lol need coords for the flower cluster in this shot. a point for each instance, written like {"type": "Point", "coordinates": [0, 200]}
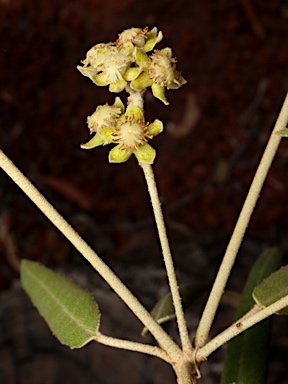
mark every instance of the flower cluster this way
{"type": "Point", "coordinates": [129, 64]}
{"type": "Point", "coordinates": [126, 129]}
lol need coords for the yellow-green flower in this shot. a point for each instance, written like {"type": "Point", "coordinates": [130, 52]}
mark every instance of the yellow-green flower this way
{"type": "Point", "coordinates": [103, 121]}
{"type": "Point", "coordinates": [106, 65]}
{"type": "Point", "coordinates": [140, 38]}
{"type": "Point", "coordinates": [131, 134]}
{"type": "Point", "coordinates": [159, 73]}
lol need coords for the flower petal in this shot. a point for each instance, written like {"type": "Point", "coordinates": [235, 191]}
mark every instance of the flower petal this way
{"type": "Point", "coordinates": [134, 112]}
{"type": "Point", "coordinates": [119, 155]}
{"type": "Point", "coordinates": [155, 128]}
{"type": "Point", "coordinates": [158, 91]}
{"type": "Point", "coordinates": [141, 82]}
{"type": "Point", "coordinates": [118, 86]}
{"type": "Point", "coordinates": [94, 142]}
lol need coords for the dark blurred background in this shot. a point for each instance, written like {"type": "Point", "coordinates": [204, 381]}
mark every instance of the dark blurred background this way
{"type": "Point", "coordinates": [234, 56]}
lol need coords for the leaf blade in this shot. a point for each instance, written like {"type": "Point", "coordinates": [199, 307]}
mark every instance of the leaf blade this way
{"type": "Point", "coordinates": [164, 309]}
{"type": "Point", "coordinates": [246, 355]}
{"type": "Point", "coordinates": [70, 312]}
{"type": "Point", "coordinates": [273, 288]}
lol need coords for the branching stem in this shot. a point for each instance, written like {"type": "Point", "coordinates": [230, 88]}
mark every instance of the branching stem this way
{"type": "Point", "coordinates": [132, 346]}
{"type": "Point", "coordinates": [240, 228]}
{"type": "Point", "coordinates": [240, 326]}
{"type": "Point", "coordinates": [116, 284]}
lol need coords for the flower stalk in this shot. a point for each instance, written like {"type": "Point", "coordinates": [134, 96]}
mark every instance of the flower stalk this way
{"type": "Point", "coordinates": [152, 188]}
{"type": "Point", "coordinates": [240, 229]}
{"type": "Point", "coordinates": [126, 64]}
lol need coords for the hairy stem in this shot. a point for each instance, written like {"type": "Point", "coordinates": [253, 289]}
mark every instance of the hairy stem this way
{"type": "Point", "coordinates": [116, 284]}
{"type": "Point", "coordinates": [240, 326]}
{"type": "Point", "coordinates": [132, 346]}
{"type": "Point", "coordinates": [240, 228]}
{"type": "Point", "coordinates": [152, 188]}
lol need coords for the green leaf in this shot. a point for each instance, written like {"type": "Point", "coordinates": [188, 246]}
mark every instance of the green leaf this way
{"type": "Point", "coordinates": [273, 288]}
{"type": "Point", "coordinates": [192, 295]}
{"type": "Point", "coordinates": [70, 312]}
{"type": "Point", "coordinates": [246, 354]}
{"type": "Point", "coordinates": [164, 310]}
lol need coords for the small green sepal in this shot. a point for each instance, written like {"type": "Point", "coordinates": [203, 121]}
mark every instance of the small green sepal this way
{"type": "Point", "coordinates": [142, 60]}
{"type": "Point", "coordinates": [87, 71]}
{"type": "Point", "coordinates": [118, 86]}
{"type": "Point", "coordinates": [141, 82]}
{"type": "Point", "coordinates": [94, 142]}
{"type": "Point", "coordinates": [119, 104]}
{"type": "Point", "coordinates": [133, 112]}
{"type": "Point", "coordinates": [107, 135]}
{"type": "Point", "coordinates": [101, 80]}
{"type": "Point", "coordinates": [132, 73]}
{"type": "Point", "coordinates": [152, 39]}
{"type": "Point", "coordinates": [155, 128]}
{"type": "Point", "coordinates": [145, 154]}
{"type": "Point", "coordinates": [158, 91]}
{"type": "Point", "coordinates": [119, 155]}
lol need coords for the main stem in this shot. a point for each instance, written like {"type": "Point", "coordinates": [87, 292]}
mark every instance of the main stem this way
{"type": "Point", "coordinates": [240, 228]}
{"type": "Point", "coordinates": [152, 188]}
{"type": "Point", "coordinates": [116, 284]}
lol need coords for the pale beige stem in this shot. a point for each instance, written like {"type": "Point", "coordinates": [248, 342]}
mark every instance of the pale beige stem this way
{"type": "Point", "coordinates": [135, 98]}
{"type": "Point", "coordinates": [152, 188]}
{"type": "Point", "coordinates": [239, 327]}
{"type": "Point", "coordinates": [239, 231]}
{"type": "Point", "coordinates": [116, 284]}
{"type": "Point", "coordinates": [132, 346]}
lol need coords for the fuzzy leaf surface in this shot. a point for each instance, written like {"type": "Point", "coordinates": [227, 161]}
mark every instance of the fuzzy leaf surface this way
{"type": "Point", "coordinates": [70, 312]}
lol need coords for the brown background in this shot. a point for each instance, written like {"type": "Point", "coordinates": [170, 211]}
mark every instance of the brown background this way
{"type": "Point", "coordinates": [234, 56]}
